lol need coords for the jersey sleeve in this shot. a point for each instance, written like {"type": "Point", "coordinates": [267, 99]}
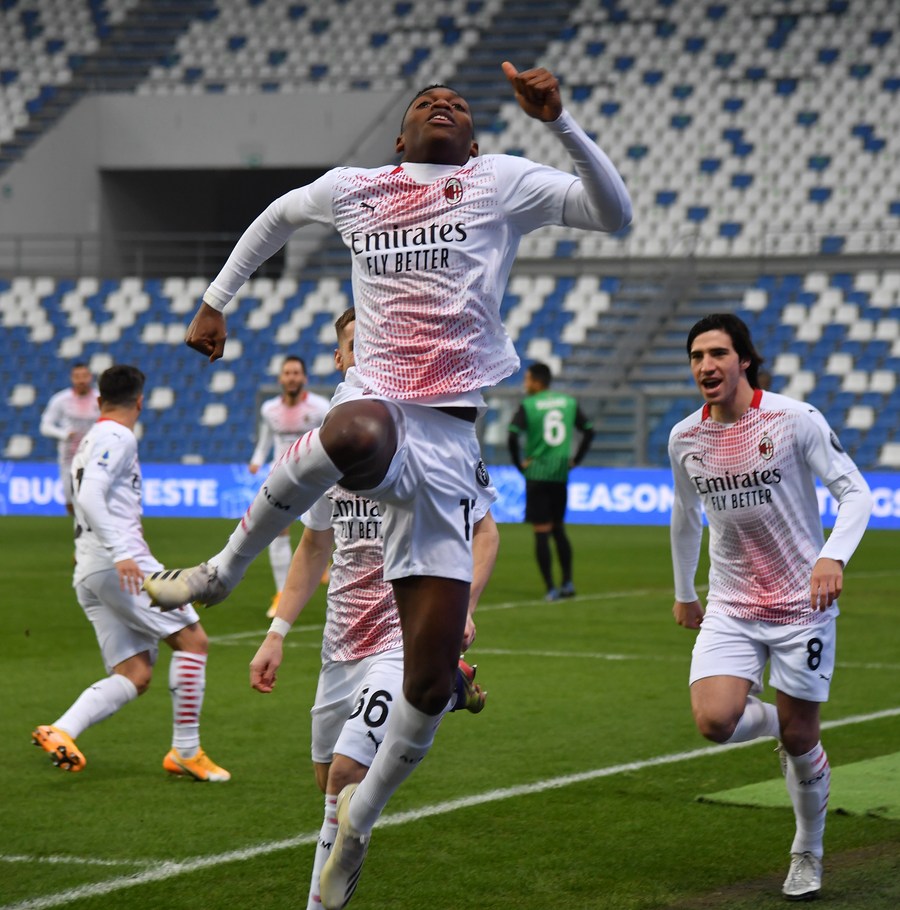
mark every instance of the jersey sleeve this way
{"type": "Point", "coordinates": [53, 419]}
{"type": "Point", "coordinates": [318, 516]}
{"type": "Point", "coordinates": [268, 234]}
{"type": "Point", "coordinates": [264, 441]}
{"type": "Point", "coordinates": [533, 195]}
{"type": "Point", "coordinates": [106, 465]}
{"type": "Point", "coordinates": [822, 449]}
{"type": "Point", "coordinates": [598, 200]}
{"type": "Point", "coordinates": [837, 470]}
{"type": "Point", "coordinates": [322, 406]}
{"type": "Point", "coordinates": [594, 198]}
{"type": "Point", "coordinates": [519, 423]}
{"type": "Point", "coordinates": [685, 531]}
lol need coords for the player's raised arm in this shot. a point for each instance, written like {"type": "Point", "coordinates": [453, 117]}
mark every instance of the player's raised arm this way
{"type": "Point", "coordinates": [599, 201]}
{"type": "Point", "coordinates": [537, 91]}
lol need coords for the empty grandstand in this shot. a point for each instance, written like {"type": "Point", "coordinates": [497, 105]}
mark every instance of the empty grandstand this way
{"type": "Point", "coordinates": [759, 140]}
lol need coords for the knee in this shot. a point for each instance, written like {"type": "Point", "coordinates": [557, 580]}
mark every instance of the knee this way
{"type": "Point", "coordinates": [798, 739]}
{"type": "Point", "coordinates": [428, 694]}
{"type": "Point", "coordinates": [717, 727]}
{"type": "Point", "coordinates": [140, 677]}
{"type": "Point", "coordinates": [192, 639]}
{"type": "Point", "coordinates": [344, 771]}
{"type": "Point", "coordinates": [361, 439]}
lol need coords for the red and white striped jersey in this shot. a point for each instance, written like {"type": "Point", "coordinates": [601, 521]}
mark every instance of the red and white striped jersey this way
{"type": "Point", "coordinates": [281, 424]}
{"type": "Point", "coordinates": [431, 249]}
{"type": "Point", "coordinates": [755, 479]}
{"type": "Point", "coordinates": [362, 615]}
{"type": "Point", "coordinates": [68, 413]}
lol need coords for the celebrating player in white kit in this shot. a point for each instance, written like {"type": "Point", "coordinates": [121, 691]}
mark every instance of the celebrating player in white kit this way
{"type": "Point", "coordinates": [362, 649]}
{"type": "Point", "coordinates": [112, 559]}
{"type": "Point", "coordinates": [283, 420]}
{"type": "Point", "coordinates": [432, 242]}
{"type": "Point", "coordinates": [750, 459]}
{"type": "Point", "coordinates": [69, 414]}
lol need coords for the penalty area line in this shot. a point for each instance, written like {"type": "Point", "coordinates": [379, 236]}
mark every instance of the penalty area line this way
{"type": "Point", "coordinates": [170, 869]}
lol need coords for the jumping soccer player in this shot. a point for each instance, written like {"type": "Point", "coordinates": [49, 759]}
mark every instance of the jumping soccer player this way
{"type": "Point", "coordinates": [432, 241]}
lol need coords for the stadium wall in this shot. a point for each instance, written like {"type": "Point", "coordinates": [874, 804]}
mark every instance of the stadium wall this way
{"type": "Point", "coordinates": [57, 187]}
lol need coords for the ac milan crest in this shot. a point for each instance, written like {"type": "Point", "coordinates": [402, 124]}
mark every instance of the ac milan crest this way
{"type": "Point", "coordinates": [766, 448]}
{"type": "Point", "coordinates": [453, 191]}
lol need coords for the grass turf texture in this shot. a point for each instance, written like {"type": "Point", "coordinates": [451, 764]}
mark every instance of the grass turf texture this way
{"type": "Point", "coordinates": [577, 686]}
{"type": "Point", "coordinates": [870, 787]}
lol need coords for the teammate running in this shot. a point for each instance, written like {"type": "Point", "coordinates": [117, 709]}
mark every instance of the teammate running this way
{"type": "Point", "coordinates": [69, 414]}
{"type": "Point", "coordinates": [750, 458]}
{"type": "Point", "coordinates": [362, 649]}
{"type": "Point", "coordinates": [112, 559]}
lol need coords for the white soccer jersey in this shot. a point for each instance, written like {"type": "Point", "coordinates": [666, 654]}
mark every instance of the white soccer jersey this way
{"type": "Point", "coordinates": [106, 478]}
{"type": "Point", "coordinates": [68, 413]}
{"type": "Point", "coordinates": [362, 617]}
{"type": "Point", "coordinates": [282, 424]}
{"type": "Point", "coordinates": [431, 249]}
{"type": "Point", "coordinates": [756, 480]}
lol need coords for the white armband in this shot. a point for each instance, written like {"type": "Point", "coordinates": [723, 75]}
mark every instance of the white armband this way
{"type": "Point", "coordinates": [280, 626]}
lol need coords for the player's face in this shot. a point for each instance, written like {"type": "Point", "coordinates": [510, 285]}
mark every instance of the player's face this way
{"type": "Point", "coordinates": [719, 372]}
{"type": "Point", "coordinates": [437, 129]}
{"type": "Point", "coordinates": [81, 380]}
{"type": "Point", "coordinates": [292, 378]}
{"type": "Point", "coordinates": [343, 356]}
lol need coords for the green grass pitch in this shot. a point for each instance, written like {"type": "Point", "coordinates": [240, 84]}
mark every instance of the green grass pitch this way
{"type": "Point", "coordinates": [575, 788]}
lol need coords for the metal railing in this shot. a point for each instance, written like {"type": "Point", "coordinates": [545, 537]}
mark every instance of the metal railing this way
{"type": "Point", "coordinates": [187, 254]}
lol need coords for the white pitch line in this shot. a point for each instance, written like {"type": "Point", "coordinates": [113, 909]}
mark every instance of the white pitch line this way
{"type": "Point", "coordinates": [238, 638]}
{"type": "Point", "coordinates": [257, 634]}
{"type": "Point", "coordinates": [587, 655]}
{"type": "Point", "coordinates": [73, 860]}
{"type": "Point", "coordinates": [170, 869]}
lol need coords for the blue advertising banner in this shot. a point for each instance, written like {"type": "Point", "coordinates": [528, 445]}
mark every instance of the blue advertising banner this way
{"type": "Point", "coordinates": [610, 496]}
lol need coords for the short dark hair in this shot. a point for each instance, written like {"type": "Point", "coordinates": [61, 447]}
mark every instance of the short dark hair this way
{"type": "Point", "coordinates": [291, 357]}
{"type": "Point", "coordinates": [341, 323]}
{"type": "Point", "coordinates": [540, 372]}
{"type": "Point", "coordinates": [121, 384]}
{"type": "Point", "coordinates": [737, 330]}
{"type": "Point", "coordinates": [424, 91]}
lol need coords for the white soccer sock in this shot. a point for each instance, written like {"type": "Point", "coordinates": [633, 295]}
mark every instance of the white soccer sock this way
{"type": "Point", "coordinates": [759, 719]}
{"type": "Point", "coordinates": [96, 703]}
{"type": "Point", "coordinates": [297, 480]}
{"type": "Point", "coordinates": [280, 555]}
{"type": "Point", "coordinates": [187, 683]}
{"type": "Point", "coordinates": [323, 850]}
{"type": "Point", "coordinates": [808, 781]}
{"type": "Point", "coordinates": [408, 738]}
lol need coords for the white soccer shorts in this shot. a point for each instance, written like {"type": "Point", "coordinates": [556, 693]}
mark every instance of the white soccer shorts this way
{"type": "Point", "coordinates": [435, 490]}
{"type": "Point", "coordinates": [801, 657]}
{"type": "Point", "coordinates": [125, 624]}
{"type": "Point", "coordinates": [353, 702]}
